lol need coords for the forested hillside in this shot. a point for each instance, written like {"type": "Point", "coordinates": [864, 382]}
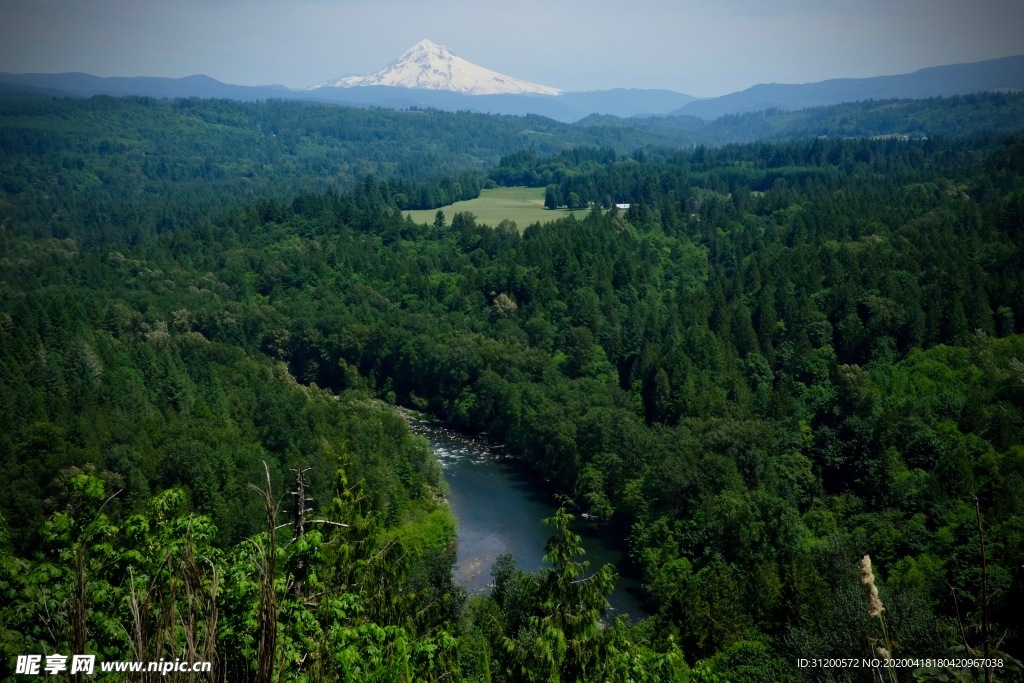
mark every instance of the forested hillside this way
{"type": "Point", "coordinates": [128, 169]}
{"type": "Point", "coordinates": [784, 356]}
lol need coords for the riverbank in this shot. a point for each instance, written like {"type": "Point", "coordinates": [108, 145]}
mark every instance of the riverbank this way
{"type": "Point", "coordinates": [498, 505]}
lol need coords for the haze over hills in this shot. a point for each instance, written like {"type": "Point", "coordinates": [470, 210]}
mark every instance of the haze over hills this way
{"type": "Point", "coordinates": [1005, 74]}
{"type": "Point", "coordinates": [86, 85]}
{"type": "Point", "coordinates": [431, 76]}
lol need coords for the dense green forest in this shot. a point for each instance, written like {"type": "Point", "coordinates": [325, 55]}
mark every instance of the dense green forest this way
{"type": "Point", "coordinates": [130, 168]}
{"type": "Point", "coordinates": [784, 356]}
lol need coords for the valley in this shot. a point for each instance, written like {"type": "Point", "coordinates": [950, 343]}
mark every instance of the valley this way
{"type": "Point", "coordinates": [800, 346]}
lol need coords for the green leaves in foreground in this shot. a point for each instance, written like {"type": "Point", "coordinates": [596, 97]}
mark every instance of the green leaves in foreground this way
{"type": "Point", "coordinates": [154, 587]}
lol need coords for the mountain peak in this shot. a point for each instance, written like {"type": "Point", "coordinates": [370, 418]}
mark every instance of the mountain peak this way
{"type": "Point", "coordinates": [427, 44]}
{"type": "Point", "coordinates": [423, 52]}
{"type": "Point", "coordinates": [429, 66]}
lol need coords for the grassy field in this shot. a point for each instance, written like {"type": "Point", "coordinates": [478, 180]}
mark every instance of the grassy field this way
{"type": "Point", "coordinates": [524, 205]}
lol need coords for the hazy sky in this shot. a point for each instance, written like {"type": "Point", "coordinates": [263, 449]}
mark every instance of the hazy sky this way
{"type": "Point", "coordinates": [700, 48]}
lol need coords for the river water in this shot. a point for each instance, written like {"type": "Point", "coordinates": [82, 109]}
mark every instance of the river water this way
{"type": "Point", "coordinates": [499, 509]}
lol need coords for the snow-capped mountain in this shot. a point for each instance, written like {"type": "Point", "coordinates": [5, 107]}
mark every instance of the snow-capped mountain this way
{"type": "Point", "coordinates": [429, 66]}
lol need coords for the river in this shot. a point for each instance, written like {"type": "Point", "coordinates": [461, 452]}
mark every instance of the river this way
{"type": "Point", "coordinates": [499, 509]}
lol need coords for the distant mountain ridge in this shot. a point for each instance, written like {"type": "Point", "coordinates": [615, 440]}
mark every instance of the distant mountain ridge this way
{"type": "Point", "coordinates": [427, 67]}
{"type": "Point", "coordinates": [86, 85]}
{"type": "Point", "coordinates": [1006, 73]}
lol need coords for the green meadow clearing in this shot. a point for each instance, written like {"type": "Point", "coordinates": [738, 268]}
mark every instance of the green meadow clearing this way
{"type": "Point", "coordinates": [524, 205]}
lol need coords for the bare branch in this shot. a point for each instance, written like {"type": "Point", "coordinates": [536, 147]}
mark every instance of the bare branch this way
{"type": "Point", "coordinates": [327, 521]}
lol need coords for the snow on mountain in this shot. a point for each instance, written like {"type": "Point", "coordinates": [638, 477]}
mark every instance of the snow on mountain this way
{"type": "Point", "coordinates": [429, 66]}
